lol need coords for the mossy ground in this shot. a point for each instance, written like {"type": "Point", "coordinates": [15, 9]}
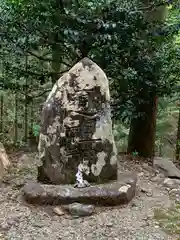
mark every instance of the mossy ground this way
{"type": "Point", "coordinates": [169, 219]}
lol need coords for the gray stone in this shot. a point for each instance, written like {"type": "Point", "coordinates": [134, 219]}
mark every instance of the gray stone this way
{"type": "Point", "coordinates": [109, 194]}
{"type": "Point", "coordinates": [174, 192]}
{"type": "Point", "coordinates": [171, 183]}
{"type": "Point", "coordinates": [158, 178]}
{"type": "Point", "coordinates": [167, 167]}
{"type": "Point", "coordinates": [4, 226]}
{"type": "Point", "coordinates": [76, 130]}
{"type": "Point", "coordinates": [58, 210]}
{"type": "Point", "coordinates": [79, 210]}
{"type": "Point", "coordinates": [148, 192]}
{"type": "Point", "coordinates": [13, 221]}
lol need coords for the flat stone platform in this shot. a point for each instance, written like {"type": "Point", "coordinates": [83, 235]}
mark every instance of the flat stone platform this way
{"type": "Point", "coordinates": [110, 194]}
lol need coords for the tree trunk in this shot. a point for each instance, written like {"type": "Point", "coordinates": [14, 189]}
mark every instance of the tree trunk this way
{"type": "Point", "coordinates": [178, 140]}
{"type": "Point", "coordinates": [2, 103]}
{"type": "Point", "coordinates": [2, 113]}
{"type": "Point", "coordinates": [142, 130]}
{"type": "Point", "coordinates": [57, 53]}
{"type": "Point", "coordinates": [16, 119]}
{"type": "Point", "coordinates": [160, 148]}
{"type": "Point", "coordinates": [32, 115]}
{"type": "Point", "coordinates": [56, 61]}
{"type": "Point", "coordinates": [26, 106]}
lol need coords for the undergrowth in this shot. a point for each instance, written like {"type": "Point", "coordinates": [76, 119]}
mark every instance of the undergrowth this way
{"type": "Point", "coordinates": [169, 219]}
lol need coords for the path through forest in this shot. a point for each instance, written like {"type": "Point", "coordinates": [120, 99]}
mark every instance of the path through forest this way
{"type": "Point", "coordinates": [20, 221]}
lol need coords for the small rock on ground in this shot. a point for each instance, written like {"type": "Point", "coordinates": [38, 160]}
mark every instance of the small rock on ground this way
{"type": "Point", "coordinates": [58, 210]}
{"type": "Point", "coordinates": [79, 210]}
{"type": "Point", "coordinates": [167, 167]}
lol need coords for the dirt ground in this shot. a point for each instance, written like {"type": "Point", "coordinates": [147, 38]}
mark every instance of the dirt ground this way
{"type": "Point", "coordinates": [135, 221]}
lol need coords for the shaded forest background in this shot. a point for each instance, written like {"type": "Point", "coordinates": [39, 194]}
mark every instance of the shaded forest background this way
{"type": "Point", "coordinates": [136, 43]}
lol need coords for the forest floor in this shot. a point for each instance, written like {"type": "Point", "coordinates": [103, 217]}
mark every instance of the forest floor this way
{"type": "Point", "coordinates": [135, 221]}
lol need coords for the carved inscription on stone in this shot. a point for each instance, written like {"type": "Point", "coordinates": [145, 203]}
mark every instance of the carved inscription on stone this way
{"type": "Point", "coordinates": [77, 127]}
{"type": "Point", "coordinates": [79, 140]}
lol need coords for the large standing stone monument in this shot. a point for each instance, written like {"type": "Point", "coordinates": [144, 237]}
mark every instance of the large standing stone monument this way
{"type": "Point", "coordinates": [76, 134]}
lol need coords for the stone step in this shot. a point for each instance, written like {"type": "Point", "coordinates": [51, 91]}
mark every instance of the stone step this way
{"type": "Point", "coordinates": [109, 194]}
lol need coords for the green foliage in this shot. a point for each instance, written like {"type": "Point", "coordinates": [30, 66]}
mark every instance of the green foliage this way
{"type": "Point", "coordinates": [36, 130]}
{"type": "Point", "coordinates": [40, 40]}
{"type": "Point", "coordinates": [135, 154]}
{"type": "Point", "coordinates": [166, 128]}
{"type": "Point", "coordinates": [109, 32]}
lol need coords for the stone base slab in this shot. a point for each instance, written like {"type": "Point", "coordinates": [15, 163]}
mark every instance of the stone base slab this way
{"type": "Point", "coordinates": [111, 194]}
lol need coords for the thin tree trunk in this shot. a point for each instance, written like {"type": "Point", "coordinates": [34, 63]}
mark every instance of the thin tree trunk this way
{"type": "Point", "coordinates": [2, 112]}
{"type": "Point", "coordinates": [161, 148]}
{"type": "Point", "coordinates": [178, 140]}
{"type": "Point", "coordinates": [142, 131]}
{"type": "Point", "coordinates": [32, 114]}
{"type": "Point", "coordinates": [26, 106]}
{"type": "Point", "coordinates": [56, 48]}
{"type": "Point", "coordinates": [16, 119]}
{"type": "Point", "coordinates": [2, 102]}
{"type": "Point", "coordinates": [56, 57]}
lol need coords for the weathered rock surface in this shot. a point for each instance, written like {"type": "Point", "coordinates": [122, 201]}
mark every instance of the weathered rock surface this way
{"type": "Point", "coordinates": [4, 160]}
{"type": "Point", "coordinates": [171, 183]}
{"type": "Point", "coordinates": [167, 167]}
{"type": "Point", "coordinates": [79, 210]}
{"type": "Point", "coordinates": [115, 193]}
{"type": "Point", "coordinates": [77, 128]}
